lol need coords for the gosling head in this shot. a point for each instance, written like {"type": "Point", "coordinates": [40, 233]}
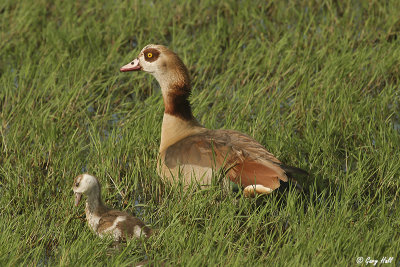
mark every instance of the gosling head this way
{"type": "Point", "coordinates": [85, 184]}
{"type": "Point", "coordinates": [163, 64]}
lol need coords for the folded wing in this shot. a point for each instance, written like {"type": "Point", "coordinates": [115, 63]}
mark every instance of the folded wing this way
{"type": "Point", "coordinates": [245, 161]}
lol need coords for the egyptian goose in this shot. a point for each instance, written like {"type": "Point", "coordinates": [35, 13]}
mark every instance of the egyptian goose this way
{"type": "Point", "coordinates": [103, 220]}
{"type": "Point", "coordinates": [192, 151]}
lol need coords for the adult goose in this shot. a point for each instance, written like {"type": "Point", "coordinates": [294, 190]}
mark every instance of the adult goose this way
{"type": "Point", "coordinates": [191, 151]}
{"type": "Point", "coordinates": [103, 220]}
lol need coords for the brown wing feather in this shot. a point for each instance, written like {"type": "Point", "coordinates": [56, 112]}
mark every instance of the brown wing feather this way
{"type": "Point", "coordinates": [107, 219]}
{"type": "Point", "coordinates": [127, 226]}
{"type": "Point", "coordinates": [250, 172]}
{"type": "Point", "coordinates": [246, 161]}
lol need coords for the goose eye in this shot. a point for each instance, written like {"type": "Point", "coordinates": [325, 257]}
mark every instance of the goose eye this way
{"type": "Point", "coordinates": [149, 55]}
{"type": "Point", "coordinates": [77, 184]}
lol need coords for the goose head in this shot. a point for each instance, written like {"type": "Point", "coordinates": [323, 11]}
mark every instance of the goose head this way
{"type": "Point", "coordinates": [163, 64]}
{"type": "Point", "coordinates": [85, 184]}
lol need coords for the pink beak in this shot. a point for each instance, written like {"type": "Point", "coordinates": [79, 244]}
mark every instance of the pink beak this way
{"type": "Point", "coordinates": [77, 199]}
{"type": "Point", "coordinates": [134, 65]}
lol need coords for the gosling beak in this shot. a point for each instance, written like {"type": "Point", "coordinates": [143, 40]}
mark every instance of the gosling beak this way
{"type": "Point", "coordinates": [134, 65]}
{"type": "Point", "coordinates": [77, 198]}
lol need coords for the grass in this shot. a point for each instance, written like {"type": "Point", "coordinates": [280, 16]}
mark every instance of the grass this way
{"type": "Point", "coordinates": [316, 82]}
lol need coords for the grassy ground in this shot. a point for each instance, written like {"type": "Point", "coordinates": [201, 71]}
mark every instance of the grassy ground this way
{"type": "Point", "coordinates": [316, 83]}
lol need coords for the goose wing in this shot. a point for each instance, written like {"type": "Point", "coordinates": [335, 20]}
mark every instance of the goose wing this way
{"type": "Point", "coordinates": [245, 161]}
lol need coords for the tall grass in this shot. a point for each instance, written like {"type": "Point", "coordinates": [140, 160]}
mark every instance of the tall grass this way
{"type": "Point", "coordinates": [316, 82]}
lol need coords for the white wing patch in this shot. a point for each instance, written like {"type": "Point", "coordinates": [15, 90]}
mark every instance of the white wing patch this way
{"type": "Point", "coordinates": [251, 190]}
{"type": "Point", "coordinates": [113, 230]}
{"type": "Point", "coordinates": [138, 231]}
